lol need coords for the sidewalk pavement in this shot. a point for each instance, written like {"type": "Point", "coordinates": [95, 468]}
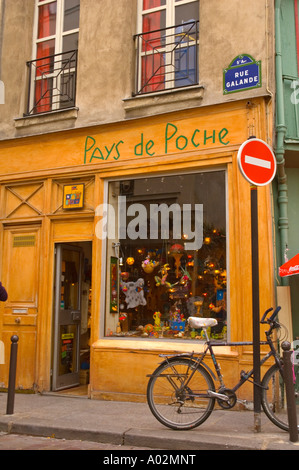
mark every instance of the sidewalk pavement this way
{"type": "Point", "coordinates": [132, 424]}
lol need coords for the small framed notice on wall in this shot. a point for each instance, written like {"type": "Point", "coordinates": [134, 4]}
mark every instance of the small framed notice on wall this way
{"type": "Point", "coordinates": [73, 196]}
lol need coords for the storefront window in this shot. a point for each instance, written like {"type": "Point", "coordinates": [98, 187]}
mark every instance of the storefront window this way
{"type": "Point", "coordinates": [166, 255]}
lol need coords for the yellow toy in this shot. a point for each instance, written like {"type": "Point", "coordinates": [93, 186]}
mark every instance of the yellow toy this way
{"type": "Point", "coordinates": [161, 281]}
{"type": "Point", "coordinates": [157, 324]}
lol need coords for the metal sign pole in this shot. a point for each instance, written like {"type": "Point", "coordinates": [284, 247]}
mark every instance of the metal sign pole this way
{"type": "Point", "coordinates": [255, 309]}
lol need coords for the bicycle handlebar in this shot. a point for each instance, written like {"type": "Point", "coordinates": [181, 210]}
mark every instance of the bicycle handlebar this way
{"type": "Point", "coordinates": [265, 314]}
{"type": "Point", "coordinates": [274, 314]}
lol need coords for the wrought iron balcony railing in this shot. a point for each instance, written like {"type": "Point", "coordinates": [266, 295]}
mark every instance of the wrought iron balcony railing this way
{"type": "Point", "coordinates": [52, 83]}
{"type": "Point", "coordinates": [167, 58]}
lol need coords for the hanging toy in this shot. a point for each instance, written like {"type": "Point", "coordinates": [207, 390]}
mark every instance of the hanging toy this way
{"type": "Point", "coordinates": [148, 265]}
{"type": "Point", "coordinates": [134, 293]}
{"type": "Point", "coordinates": [185, 276]}
{"type": "Point", "coordinates": [161, 281]}
{"type": "Point", "coordinates": [124, 288]}
{"type": "Point", "coordinates": [125, 275]}
{"type": "Point", "coordinates": [177, 251]}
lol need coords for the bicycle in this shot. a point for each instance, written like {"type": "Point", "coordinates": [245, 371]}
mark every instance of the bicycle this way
{"type": "Point", "coordinates": [181, 392]}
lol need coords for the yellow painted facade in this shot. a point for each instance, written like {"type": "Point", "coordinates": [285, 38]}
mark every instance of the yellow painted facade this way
{"type": "Point", "coordinates": [33, 172]}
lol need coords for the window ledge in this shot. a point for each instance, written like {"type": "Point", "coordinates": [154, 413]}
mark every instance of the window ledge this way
{"type": "Point", "coordinates": [46, 118]}
{"type": "Point", "coordinates": [164, 101]}
{"type": "Point", "coordinates": [161, 346]}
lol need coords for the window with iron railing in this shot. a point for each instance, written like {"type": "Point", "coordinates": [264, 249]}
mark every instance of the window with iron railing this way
{"type": "Point", "coordinates": [52, 83]}
{"type": "Point", "coordinates": [52, 73]}
{"type": "Point", "coordinates": [167, 47]}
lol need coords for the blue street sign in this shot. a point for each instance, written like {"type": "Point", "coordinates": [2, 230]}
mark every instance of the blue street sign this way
{"type": "Point", "coordinates": [243, 73]}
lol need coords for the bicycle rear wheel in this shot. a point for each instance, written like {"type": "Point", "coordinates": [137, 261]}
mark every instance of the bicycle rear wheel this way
{"type": "Point", "coordinates": [175, 405]}
{"type": "Point", "coordinates": [274, 398]}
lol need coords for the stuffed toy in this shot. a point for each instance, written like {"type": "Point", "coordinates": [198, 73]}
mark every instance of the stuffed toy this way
{"type": "Point", "coordinates": [134, 293]}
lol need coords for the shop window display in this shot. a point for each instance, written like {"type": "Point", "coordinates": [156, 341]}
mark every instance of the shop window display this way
{"type": "Point", "coordinates": [166, 260]}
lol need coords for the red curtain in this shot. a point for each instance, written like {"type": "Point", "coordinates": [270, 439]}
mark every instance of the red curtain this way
{"type": "Point", "coordinates": [153, 62]}
{"type": "Point", "coordinates": [147, 4]}
{"type": "Point", "coordinates": [46, 28]}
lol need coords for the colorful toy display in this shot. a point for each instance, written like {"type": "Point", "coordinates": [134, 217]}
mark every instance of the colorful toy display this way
{"type": "Point", "coordinates": [159, 288]}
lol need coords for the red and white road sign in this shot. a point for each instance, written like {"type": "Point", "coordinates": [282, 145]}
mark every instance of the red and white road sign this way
{"type": "Point", "coordinates": [257, 162]}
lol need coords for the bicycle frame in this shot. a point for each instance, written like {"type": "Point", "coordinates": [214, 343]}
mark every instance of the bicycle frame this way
{"type": "Point", "coordinates": [244, 377]}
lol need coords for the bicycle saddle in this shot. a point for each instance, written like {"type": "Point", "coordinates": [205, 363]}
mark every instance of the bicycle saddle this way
{"type": "Point", "coordinates": [195, 322]}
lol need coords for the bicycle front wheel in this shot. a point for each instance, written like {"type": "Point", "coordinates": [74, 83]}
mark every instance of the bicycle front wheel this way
{"type": "Point", "coordinates": [274, 401]}
{"type": "Point", "coordinates": [174, 404]}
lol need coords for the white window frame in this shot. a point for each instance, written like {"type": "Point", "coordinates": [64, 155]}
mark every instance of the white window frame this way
{"type": "Point", "coordinates": [59, 34]}
{"type": "Point", "coordinates": [58, 37]}
{"type": "Point", "coordinates": [169, 7]}
{"type": "Point", "coordinates": [170, 11]}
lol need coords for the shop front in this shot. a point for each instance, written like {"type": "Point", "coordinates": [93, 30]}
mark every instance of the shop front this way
{"type": "Point", "coordinates": [137, 226]}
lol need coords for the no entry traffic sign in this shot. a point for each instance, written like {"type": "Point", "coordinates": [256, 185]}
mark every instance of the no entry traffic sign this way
{"type": "Point", "coordinates": [257, 162]}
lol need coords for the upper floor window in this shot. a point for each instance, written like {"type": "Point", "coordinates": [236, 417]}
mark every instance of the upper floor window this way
{"type": "Point", "coordinates": [53, 71]}
{"type": "Point", "coordinates": [167, 44]}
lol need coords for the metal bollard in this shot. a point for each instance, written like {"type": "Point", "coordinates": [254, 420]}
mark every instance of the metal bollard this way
{"type": "Point", "coordinates": [289, 383]}
{"type": "Point", "coordinates": [12, 375]}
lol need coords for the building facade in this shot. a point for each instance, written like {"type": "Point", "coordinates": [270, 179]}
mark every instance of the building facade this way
{"type": "Point", "coordinates": [123, 210]}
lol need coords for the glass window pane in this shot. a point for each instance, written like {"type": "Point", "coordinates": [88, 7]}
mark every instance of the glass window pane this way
{"type": "Point", "coordinates": [45, 63]}
{"type": "Point", "coordinates": [147, 4]}
{"type": "Point", "coordinates": [153, 73]}
{"type": "Point", "coordinates": [71, 14]}
{"type": "Point", "coordinates": [187, 12]}
{"type": "Point", "coordinates": [185, 66]}
{"type": "Point", "coordinates": [45, 48]}
{"type": "Point", "coordinates": [70, 280]}
{"type": "Point", "coordinates": [68, 347]}
{"type": "Point", "coordinates": [43, 95]}
{"type": "Point", "coordinates": [154, 21]}
{"type": "Point", "coordinates": [47, 20]}
{"type": "Point", "coordinates": [67, 88]}
{"type": "Point", "coordinates": [70, 42]}
{"type": "Point", "coordinates": [171, 257]}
